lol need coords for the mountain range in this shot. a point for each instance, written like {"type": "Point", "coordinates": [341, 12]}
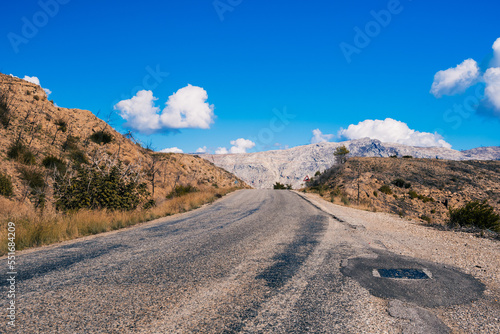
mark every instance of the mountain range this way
{"type": "Point", "coordinates": [292, 166]}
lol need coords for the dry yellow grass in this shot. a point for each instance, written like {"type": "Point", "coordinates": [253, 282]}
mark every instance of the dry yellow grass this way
{"type": "Point", "coordinates": [33, 229]}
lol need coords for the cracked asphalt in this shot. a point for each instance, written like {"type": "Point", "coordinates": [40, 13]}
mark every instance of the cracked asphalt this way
{"type": "Point", "coordinates": [256, 261]}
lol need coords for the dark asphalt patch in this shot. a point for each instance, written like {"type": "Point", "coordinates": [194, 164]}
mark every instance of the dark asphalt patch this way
{"type": "Point", "coordinates": [401, 273]}
{"type": "Point", "coordinates": [293, 257]}
{"type": "Point", "coordinates": [448, 286]}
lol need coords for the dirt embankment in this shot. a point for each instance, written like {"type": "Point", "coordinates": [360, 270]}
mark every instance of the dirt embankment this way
{"type": "Point", "coordinates": [418, 188]}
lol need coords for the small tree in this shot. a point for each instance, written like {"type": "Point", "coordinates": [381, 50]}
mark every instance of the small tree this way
{"type": "Point", "coordinates": [341, 154]}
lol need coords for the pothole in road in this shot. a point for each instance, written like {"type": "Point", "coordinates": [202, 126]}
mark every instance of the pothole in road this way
{"type": "Point", "coordinates": [427, 284]}
{"type": "Point", "coordinates": [402, 273]}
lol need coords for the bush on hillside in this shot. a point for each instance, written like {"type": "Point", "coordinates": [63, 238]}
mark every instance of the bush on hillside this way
{"type": "Point", "coordinates": [281, 186]}
{"type": "Point", "coordinates": [400, 183]}
{"type": "Point", "coordinates": [78, 157]}
{"type": "Point", "coordinates": [101, 137]}
{"type": "Point", "coordinates": [475, 214]}
{"type": "Point", "coordinates": [181, 191]}
{"type": "Point", "coordinates": [6, 188]}
{"type": "Point", "coordinates": [21, 153]}
{"type": "Point", "coordinates": [386, 189]}
{"type": "Point", "coordinates": [98, 188]}
{"type": "Point", "coordinates": [71, 143]}
{"type": "Point", "coordinates": [51, 162]}
{"type": "Point", "coordinates": [34, 178]}
{"type": "Point", "coordinates": [5, 114]}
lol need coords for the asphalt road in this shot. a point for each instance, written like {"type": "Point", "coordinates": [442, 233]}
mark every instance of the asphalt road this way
{"type": "Point", "coordinates": [256, 261]}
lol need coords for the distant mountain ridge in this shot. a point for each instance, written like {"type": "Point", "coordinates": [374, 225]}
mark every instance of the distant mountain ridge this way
{"type": "Point", "coordinates": [263, 169]}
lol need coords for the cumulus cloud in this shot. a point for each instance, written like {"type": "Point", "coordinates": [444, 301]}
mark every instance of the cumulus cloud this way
{"type": "Point", "coordinates": [240, 145]}
{"type": "Point", "coordinates": [492, 90]}
{"type": "Point", "coordinates": [392, 131]}
{"type": "Point", "coordinates": [140, 112]}
{"type": "Point", "coordinates": [319, 137]}
{"type": "Point", "coordinates": [221, 150]}
{"type": "Point", "coordinates": [456, 79]}
{"type": "Point", "coordinates": [496, 52]}
{"type": "Point", "coordinates": [202, 150]}
{"type": "Point", "coordinates": [186, 108]}
{"type": "Point", "coordinates": [172, 150]}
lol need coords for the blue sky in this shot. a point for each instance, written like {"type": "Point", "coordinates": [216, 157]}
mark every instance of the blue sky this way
{"type": "Point", "coordinates": [259, 61]}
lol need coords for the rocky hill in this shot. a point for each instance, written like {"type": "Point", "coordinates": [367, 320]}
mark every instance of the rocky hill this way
{"type": "Point", "coordinates": [35, 134]}
{"type": "Point", "coordinates": [418, 188]}
{"type": "Point", "coordinates": [263, 169]}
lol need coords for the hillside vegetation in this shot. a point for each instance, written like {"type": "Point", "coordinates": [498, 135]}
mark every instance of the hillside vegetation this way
{"type": "Point", "coordinates": [417, 188]}
{"type": "Point", "coordinates": [57, 164]}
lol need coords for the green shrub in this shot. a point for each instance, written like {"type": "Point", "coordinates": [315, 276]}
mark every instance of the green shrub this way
{"type": "Point", "coordinates": [278, 185]}
{"type": "Point", "coordinates": [6, 188]}
{"type": "Point", "coordinates": [71, 143]}
{"type": "Point", "coordinates": [386, 189]}
{"type": "Point", "coordinates": [51, 162]}
{"type": "Point", "coordinates": [433, 211]}
{"type": "Point", "coordinates": [181, 190]}
{"type": "Point", "coordinates": [78, 157]}
{"type": "Point", "coordinates": [475, 214]}
{"type": "Point", "coordinates": [425, 199]}
{"type": "Point", "coordinates": [345, 200]}
{"type": "Point", "coordinates": [101, 137]}
{"type": "Point", "coordinates": [375, 193]}
{"type": "Point", "coordinates": [317, 173]}
{"type": "Point", "coordinates": [407, 157]}
{"type": "Point", "coordinates": [413, 194]}
{"type": "Point", "coordinates": [149, 204]}
{"type": "Point", "coordinates": [35, 180]}
{"type": "Point", "coordinates": [94, 188]}
{"type": "Point", "coordinates": [426, 218]}
{"type": "Point", "coordinates": [5, 113]}
{"type": "Point", "coordinates": [400, 183]}
{"type": "Point", "coordinates": [36, 97]}
{"type": "Point", "coordinates": [20, 152]}
{"type": "Point", "coordinates": [61, 125]}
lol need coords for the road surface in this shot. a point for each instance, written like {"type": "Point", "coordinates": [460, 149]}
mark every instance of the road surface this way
{"type": "Point", "coordinates": [256, 261]}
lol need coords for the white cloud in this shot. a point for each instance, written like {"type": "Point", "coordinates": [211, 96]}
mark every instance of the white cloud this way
{"type": "Point", "coordinates": [140, 112]}
{"type": "Point", "coordinates": [456, 79]}
{"type": "Point", "coordinates": [392, 131]}
{"type": "Point", "coordinates": [172, 150]}
{"type": "Point", "coordinates": [221, 150]}
{"type": "Point", "coordinates": [187, 108]}
{"type": "Point", "coordinates": [33, 80]}
{"type": "Point", "coordinates": [202, 150]}
{"type": "Point", "coordinates": [492, 90]}
{"type": "Point", "coordinates": [319, 137]}
{"type": "Point", "coordinates": [496, 52]}
{"type": "Point", "coordinates": [241, 145]}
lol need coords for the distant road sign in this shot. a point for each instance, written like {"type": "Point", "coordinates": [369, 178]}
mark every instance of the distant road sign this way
{"type": "Point", "coordinates": [306, 178]}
